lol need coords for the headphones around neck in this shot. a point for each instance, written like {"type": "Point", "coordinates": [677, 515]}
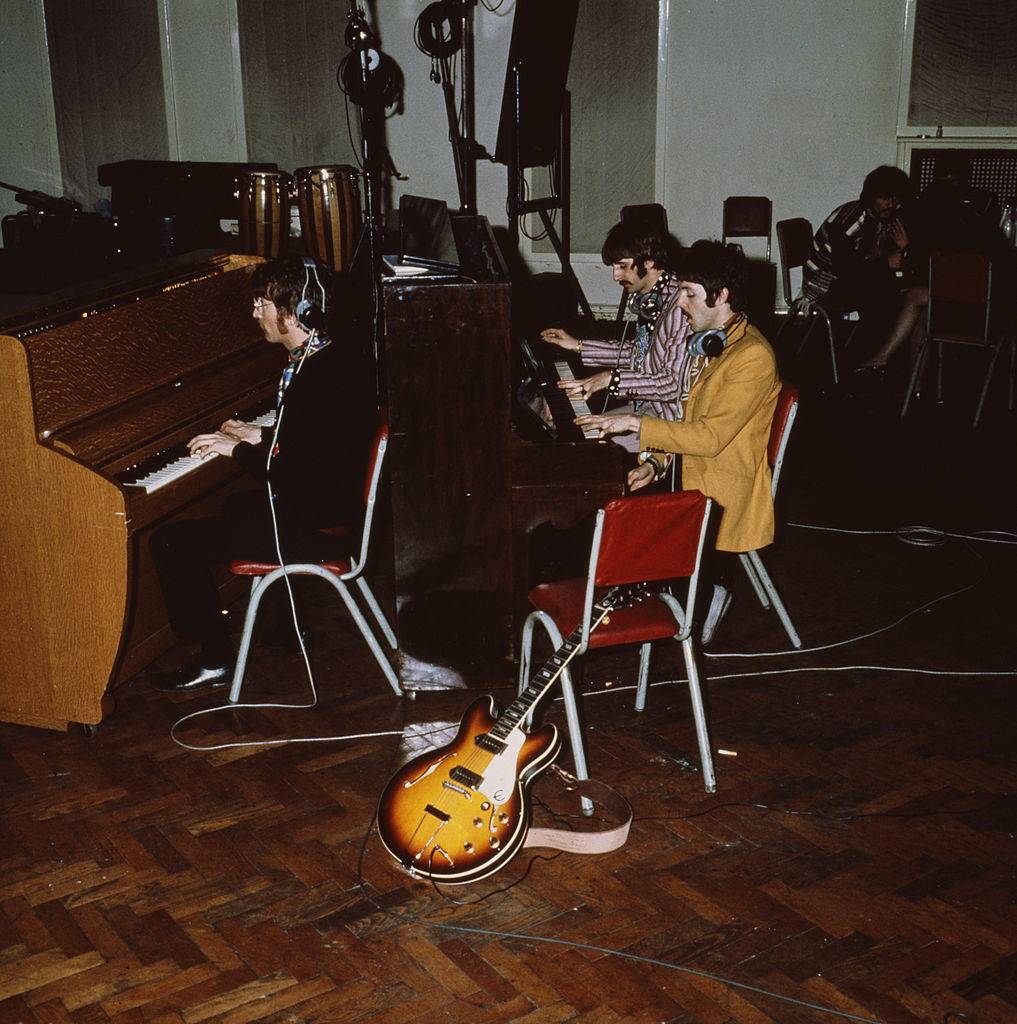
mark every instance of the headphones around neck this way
{"type": "Point", "coordinates": [712, 342]}
{"type": "Point", "coordinates": [310, 313]}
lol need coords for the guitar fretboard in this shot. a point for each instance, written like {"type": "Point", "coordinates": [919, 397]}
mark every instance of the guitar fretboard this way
{"type": "Point", "coordinates": [549, 672]}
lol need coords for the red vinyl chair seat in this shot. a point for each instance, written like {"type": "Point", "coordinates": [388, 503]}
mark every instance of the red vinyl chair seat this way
{"type": "Point", "coordinates": [637, 624]}
{"type": "Point", "coordinates": [241, 568]}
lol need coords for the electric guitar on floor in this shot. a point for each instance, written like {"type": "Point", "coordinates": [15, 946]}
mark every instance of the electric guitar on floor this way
{"type": "Point", "coordinates": [459, 812]}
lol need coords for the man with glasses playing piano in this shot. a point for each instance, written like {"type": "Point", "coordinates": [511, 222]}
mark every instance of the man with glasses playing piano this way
{"type": "Point", "coordinates": [650, 366]}
{"type": "Point", "coordinates": [312, 464]}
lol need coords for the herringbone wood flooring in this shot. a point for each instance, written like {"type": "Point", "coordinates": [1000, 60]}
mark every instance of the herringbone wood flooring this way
{"type": "Point", "coordinates": [145, 882]}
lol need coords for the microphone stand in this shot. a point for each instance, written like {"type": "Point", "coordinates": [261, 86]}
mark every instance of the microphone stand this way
{"type": "Point", "coordinates": [362, 41]}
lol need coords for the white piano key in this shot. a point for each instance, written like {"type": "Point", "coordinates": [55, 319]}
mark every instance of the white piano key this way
{"type": "Point", "coordinates": [180, 467]}
{"type": "Point", "coordinates": [579, 406]}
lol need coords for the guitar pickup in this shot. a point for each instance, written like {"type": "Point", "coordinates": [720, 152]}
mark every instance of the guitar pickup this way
{"type": "Point", "coordinates": [487, 742]}
{"type": "Point", "coordinates": [466, 777]}
{"type": "Point", "coordinates": [440, 815]}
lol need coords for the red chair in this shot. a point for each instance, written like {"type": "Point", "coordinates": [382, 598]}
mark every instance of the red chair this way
{"type": "Point", "coordinates": [960, 313]}
{"type": "Point", "coordinates": [783, 420]}
{"type": "Point", "coordinates": [338, 573]}
{"type": "Point", "coordinates": [649, 539]}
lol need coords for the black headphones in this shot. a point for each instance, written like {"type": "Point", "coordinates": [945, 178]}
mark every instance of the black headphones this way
{"type": "Point", "coordinates": [310, 314]}
{"type": "Point", "coordinates": [712, 342]}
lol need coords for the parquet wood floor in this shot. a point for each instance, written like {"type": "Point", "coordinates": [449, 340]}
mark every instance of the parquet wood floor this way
{"type": "Point", "coordinates": [859, 854]}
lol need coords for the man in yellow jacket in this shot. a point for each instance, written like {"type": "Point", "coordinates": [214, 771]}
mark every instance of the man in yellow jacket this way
{"type": "Point", "coordinates": [723, 435]}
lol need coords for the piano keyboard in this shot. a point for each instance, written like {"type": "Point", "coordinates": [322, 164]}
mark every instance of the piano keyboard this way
{"type": "Point", "coordinates": [579, 406]}
{"type": "Point", "coordinates": [172, 463]}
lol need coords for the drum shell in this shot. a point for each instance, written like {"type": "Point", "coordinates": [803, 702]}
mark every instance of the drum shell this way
{"type": "Point", "coordinates": [330, 216]}
{"type": "Point", "coordinates": [264, 219]}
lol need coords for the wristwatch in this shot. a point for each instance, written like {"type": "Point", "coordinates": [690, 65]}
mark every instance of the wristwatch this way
{"type": "Point", "coordinates": [654, 459]}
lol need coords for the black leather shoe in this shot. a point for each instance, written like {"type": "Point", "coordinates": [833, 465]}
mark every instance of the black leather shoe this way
{"type": "Point", "coordinates": [194, 677]}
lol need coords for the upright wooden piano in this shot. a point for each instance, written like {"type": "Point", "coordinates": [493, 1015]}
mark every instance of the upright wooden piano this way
{"type": "Point", "coordinates": [100, 391]}
{"type": "Point", "coordinates": [467, 490]}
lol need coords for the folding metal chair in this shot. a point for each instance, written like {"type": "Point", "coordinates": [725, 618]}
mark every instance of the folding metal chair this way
{"type": "Point", "coordinates": [783, 420]}
{"type": "Point", "coordinates": [794, 239]}
{"type": "Point", "coordinates": [958, 313]}
{"type": "Point", "coordinates": [339, 573]}
{"type": "Point", "coordinates": [649, 539]}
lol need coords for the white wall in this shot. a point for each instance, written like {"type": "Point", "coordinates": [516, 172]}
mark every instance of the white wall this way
{"type": "Point", "coordinates": [791, 99]}
{"type": "Point", "coordinates": [794, 99]}
{"type": "Point", "coordinates": [201, 76]}
{"type": "Point", "coordinates": [29, 156]}
{"type": "Point", "coordinates": [418, 138]}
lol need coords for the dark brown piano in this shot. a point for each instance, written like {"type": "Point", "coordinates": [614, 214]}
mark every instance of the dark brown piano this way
{"type": "Point", "coordinates": [101, 388]}
{"type": "Point", "coordinates": [467, 492]}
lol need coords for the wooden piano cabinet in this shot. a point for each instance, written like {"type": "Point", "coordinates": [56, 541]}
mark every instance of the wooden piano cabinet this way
{"type": "Point", "coordinates": [64, 590]}
{"type": "Point", "coordinates": [446, 367]}
{"type": "Point", "coordinates": [93, 385]}
{"type": "Point", "coordinates": [466, 492]}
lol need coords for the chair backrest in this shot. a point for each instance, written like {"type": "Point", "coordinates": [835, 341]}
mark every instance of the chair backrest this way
{"type": "Point", "coordinates": [375, 464]}
{"type": "Point", "coordinates": [651, 215]}
{"type": "Point", "coordinates": [647, 539]}
{"type": "Point", "coordinates": [783, 420]}
{"type": "Point", "coordinates": [748, 217]}
{"type": "Point", "coordinates": [794, 240]}
{"type": "Point", "coordinates": [960, 284]}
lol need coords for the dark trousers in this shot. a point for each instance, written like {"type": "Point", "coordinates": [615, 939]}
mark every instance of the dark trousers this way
{"type": "Point", "coordinates": [185, 550]}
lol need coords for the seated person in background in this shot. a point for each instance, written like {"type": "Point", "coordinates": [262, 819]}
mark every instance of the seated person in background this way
{"type": "Point", "coordinates": [952, 217]}
{"type": "Point", "coordinates": [724, 433]}
{"type": "Point", "coordinates": [859, 250]}
{"type": "Point", "coordinates": [314, 468]}
{"type": "Point", "coordinates": [653, 368]}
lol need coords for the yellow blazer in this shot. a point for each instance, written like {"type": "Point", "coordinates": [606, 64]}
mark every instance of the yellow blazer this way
{"type": "Point", "coordinates": [723, 438]}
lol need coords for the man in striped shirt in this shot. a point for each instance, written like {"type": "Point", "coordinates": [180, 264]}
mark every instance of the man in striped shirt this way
{"type": "Point", "coordinates": [651, 366]}
{"type": "Point", "coordinates": [860, 249]}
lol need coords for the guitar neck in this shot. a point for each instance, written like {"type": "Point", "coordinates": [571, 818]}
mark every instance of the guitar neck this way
{"type": "Point", "coordinates": [510, 718]}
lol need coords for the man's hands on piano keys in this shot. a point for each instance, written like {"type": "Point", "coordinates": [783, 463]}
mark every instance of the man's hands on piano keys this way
{"type": "Point", "coordinates": [224, 440]}
{"type": "Point", "coordinates": [610, 423]}
{"type": "Point", "coordinates": [204, 446]}
{"type": "Point", "coordinates": [241, 431]}
{"type": "Point", "coordinates": [556, 336]}
{"type": "Point", "coordinates": [586, 386]}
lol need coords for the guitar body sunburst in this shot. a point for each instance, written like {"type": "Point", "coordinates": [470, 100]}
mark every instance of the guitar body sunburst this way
{"type": "Point", "coordinates": [459, 812]}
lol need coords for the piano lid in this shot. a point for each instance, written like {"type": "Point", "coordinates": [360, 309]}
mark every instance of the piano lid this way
{"type": "Point", "coordinates": [96, 350]}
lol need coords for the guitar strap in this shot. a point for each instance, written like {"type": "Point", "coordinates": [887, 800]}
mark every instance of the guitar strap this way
{"type": "Point", "coordinates": [607, 800]}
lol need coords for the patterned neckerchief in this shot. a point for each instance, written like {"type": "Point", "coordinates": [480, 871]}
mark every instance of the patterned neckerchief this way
{"type": "Point", "coordinates": [315, 343]}
{"type": "Point", "coordinates": [647, 308]}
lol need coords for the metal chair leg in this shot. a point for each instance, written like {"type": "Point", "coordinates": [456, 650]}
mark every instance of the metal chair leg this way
{"type": "Point", "coordinates": [699, 714]}
{"type": "Point", "coordinates": [754, 579]}
{"type": "Point", "coordinates": [568, 696]}
{"type": "Point", "coordinates": [778, 605]}
{"type": "Point", "coordinates": [644, 676]}
{"type": "Point", "coordinates": [985, 386]}
{"type": "Point", "coordinates": [916, 374]}
{"type": "Point", "coordinates": [257, 592]}
{"type": "Point", "coordinates": [366, 632]}
{"type": "Point", "coordinates": [379, 616]}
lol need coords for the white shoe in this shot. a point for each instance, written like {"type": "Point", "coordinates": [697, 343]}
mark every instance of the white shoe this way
{"type": "Point", "coordinates": [719, 604]}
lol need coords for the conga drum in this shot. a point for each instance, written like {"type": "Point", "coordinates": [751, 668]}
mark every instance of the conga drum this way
{"type": "Point", "coordinates": [264, 212]}
{"type": "Point", "coordinates": [329, 202]}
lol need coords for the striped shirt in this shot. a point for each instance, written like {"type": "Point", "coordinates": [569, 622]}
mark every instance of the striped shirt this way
{"type": "Point", "coordinates": [852, 234]}
{"type": "Point", "coordinates": [662, 383]}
